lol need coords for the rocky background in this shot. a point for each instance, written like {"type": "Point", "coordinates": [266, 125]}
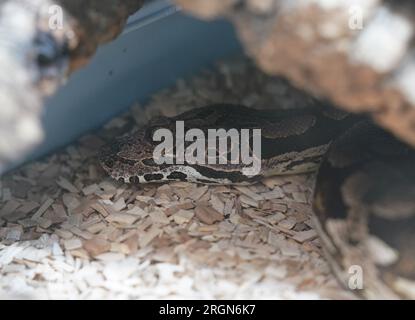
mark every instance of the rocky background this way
{"type": "Point", "coordinates": [41, 43]}
{"type": "Point", "coordinates": [359, 54]}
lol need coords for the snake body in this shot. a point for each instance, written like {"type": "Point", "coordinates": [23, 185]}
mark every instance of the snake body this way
{"type": "Point", "coordinates": [364, 200]}
{"type": "Point", "coordinates": [293, 141]}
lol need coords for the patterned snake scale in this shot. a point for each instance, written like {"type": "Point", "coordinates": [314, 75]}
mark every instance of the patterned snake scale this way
{"type": "Point", "coordinates": [364, 198]}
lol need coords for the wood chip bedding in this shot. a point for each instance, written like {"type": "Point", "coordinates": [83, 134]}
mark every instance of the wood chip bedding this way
{"type": "Point", "coordinates": [69, 231]}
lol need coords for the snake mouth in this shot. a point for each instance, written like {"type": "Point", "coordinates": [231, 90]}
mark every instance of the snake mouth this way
{"type": "Point", "coordinates": [115, 164]}
{"type": "Point", "coordinates": [107, 157]}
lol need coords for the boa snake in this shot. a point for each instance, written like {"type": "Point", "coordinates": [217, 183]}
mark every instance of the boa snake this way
{"type": "Point", "coordinates": [364, 200]}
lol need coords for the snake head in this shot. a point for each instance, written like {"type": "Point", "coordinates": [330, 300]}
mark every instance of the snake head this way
{"type": "Point", "coordinates": [123, 157]}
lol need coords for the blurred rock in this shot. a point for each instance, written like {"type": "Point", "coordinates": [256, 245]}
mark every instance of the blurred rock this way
{"type": "Point", "coordinates": [359, 54]}
{"type": "Point", "coordinates": [41, 42]}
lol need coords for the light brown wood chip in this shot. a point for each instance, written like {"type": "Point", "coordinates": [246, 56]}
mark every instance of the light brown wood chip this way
{"type": "Point", "coordinates": [122, 218]}
{"type": "Point", "coordinates": [96, 246]}
{"type": "Point", "coordinates": [72, 244]}
{"type": "Point", "coordinates": [183, 216]}
{"type": "Point", "coordinates": [45, 206]}
{"type": "Point", "coordinates": [208, 215]}
{"type": "Point", "coordinates": [304, 236]}
{"type": "Point", "coordinates": [9, 208]}
{"type": "Point", "coordinates": [66, 185]}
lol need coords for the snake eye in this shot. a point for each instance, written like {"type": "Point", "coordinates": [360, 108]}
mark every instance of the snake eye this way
{"type": "Point", "coordinates": [109, 163]}
{"type": "Point", "coordinates": [149, 162]}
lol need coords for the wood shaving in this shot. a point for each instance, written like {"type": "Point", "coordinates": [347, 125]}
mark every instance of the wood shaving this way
{"type": "Point", "coordinates": [183, 216]}
{"type": "Point", "coordinates": [89, 237]}
{"type": "Point", "coordinates": [97, 246]}
{"type": "Point", "coordinates": [72, 244]}
{"type": "Point", "coordinates": [208, 215]}
{"type": "Point", "coordinates": [65, 184]}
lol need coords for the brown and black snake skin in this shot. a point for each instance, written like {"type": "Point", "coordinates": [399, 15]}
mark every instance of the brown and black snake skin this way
{"type": "Point", "coordinates": [364, 200]}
